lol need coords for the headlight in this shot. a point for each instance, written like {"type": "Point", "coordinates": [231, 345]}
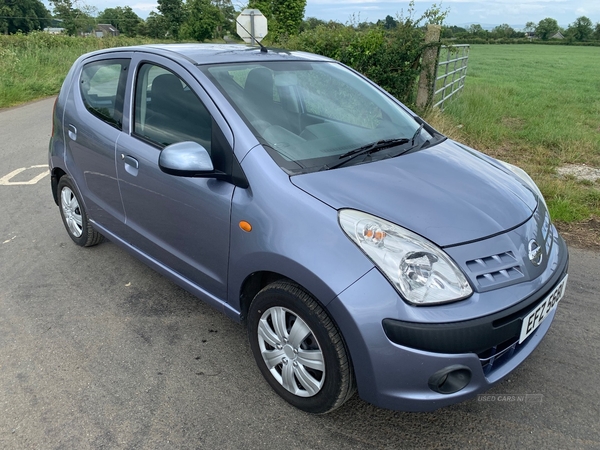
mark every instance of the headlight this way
{"type": "Point", "coordinates": [419, 270]}
{"type": "Point", "coordinates": [526, 179]}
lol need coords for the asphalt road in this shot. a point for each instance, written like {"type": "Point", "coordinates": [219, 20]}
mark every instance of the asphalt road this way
{"type": "Point", "coordinates": [98, 351]}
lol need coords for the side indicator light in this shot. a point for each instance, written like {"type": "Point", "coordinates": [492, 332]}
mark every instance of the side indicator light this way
{"type": "Point", "coordinates": [245, 226]}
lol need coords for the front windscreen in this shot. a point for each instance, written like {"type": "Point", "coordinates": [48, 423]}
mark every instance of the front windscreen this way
{"type": "Point", "coordinates": [309, 114]}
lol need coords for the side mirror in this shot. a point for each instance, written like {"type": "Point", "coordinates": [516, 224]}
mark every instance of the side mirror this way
{"type": "Point", "coordinates": [186, 159]}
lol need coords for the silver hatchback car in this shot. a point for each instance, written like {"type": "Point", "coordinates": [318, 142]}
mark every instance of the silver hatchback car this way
{"type": "Point", "coordinates": [362, 248]}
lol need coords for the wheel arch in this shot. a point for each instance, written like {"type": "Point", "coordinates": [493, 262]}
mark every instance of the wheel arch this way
{"type": "Point", "coordinates": [55, 176]}
{"type": "Point", "coordinates": [250, 271]}
{"type": "Point", "coordinates": [258, 280]}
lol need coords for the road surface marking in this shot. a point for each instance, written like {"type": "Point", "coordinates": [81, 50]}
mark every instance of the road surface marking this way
{"type": "Point", "coordinates": [5, 180]}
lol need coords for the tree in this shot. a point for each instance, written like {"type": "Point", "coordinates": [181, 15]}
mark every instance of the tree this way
{"type": "Point", "coordinates": [24, 16]}
{"type": "Point", "coordinates": [173, 12]}
{"type": "Point", "coordinates": [530, 27]}
{"type": "Point", "coordinates": [477, 30]}
{"type": "Point", "coordinates": [390, 23]}
{"type": "Point", "coordinates": [364, 25]}
{"type": "Point", "coordinates": [504, 31]}
{"type": "Point", "coordinates": [76, 17]}
{"type": "Point", "coordinates": [453, 31]}
{"type": "Point", "coordinates": [126, 21]}
{"type": "Point", "coordinates": [546, 28]}
{"type": "Point", "coordinates": [581, 29]}
{"type": "Point", "coordinates": [156, 26]}
{"type": "Point", "coordinates": [285, 16]}
{"type": "Point", "coordinates": [202, 20]}
{"type": "Point", "coordinates": [597, 32]}
{"type": "Point", "coordinates": [311, 23]}
{"type": "Point", "coordinates": [228, 16]}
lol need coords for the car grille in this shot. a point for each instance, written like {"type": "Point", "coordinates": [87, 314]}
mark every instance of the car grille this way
{"type": "Point", "coordinates": [495, 271]}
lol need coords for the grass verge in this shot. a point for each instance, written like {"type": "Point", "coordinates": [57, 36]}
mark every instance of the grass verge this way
{"type": "Point", "coordinates": [35, 65]}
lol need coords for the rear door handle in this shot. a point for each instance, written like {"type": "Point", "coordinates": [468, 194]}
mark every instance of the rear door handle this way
{"type": "Point", "coordinates": [72, 132]}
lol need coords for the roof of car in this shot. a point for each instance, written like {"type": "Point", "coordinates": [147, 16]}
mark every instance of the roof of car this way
{"type": "Point", "coordinates": [224, 53]}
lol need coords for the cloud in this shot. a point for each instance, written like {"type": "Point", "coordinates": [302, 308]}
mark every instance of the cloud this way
{"type": "Point", "coordinates": [463, 11]}
{"type": "Point", "coordinates": [145, 6]}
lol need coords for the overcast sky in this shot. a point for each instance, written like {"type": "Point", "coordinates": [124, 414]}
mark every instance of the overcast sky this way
{"type": "Point", "coordinates": [462, 11]}
{"type": "Point", "coordinates": [494, 12]}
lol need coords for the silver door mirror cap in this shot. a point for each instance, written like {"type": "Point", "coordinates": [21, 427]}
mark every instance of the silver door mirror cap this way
{"type": "Point", "coordinates": [185, 159]}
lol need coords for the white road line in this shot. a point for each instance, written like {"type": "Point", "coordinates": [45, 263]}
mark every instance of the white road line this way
{"type": "Point", "coordinates": [5, 180]}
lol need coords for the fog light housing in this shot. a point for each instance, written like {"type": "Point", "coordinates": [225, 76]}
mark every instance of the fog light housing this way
{"type": "Point", "coordinates": [450, 379]}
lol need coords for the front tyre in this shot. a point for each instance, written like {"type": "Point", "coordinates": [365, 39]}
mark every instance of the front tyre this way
{"type": "Point", "coordinates": [74, 216]}
{"type": "Point", "coordinates": [298, 349]}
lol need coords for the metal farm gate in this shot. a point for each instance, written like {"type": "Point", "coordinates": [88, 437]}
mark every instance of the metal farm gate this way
{"type": "Point", "coordinates": [451, 73]}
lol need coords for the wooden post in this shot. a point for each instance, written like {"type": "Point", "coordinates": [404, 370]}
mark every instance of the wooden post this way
{"type": "Point", "coordinates": [428, 68]}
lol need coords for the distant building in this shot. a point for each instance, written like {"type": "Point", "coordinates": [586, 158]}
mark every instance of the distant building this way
{"type": "Point", "coordinates": [105, 30]}
{"type": "Point", "coordinates": [531, 35]}
{"type": "Point", "coordinates": [54, 30]}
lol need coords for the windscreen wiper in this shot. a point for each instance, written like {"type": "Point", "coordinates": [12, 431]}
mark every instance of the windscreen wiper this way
{"type": "Point", "coordinates": [416, 135]}
{"type": "Point", "coordinates": [367, 150]}
{"type": "Point", "coordinates": [413, 146]}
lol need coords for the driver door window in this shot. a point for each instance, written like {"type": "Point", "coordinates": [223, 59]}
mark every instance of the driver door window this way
{"type": "Point", "coordinates": [167, 110]}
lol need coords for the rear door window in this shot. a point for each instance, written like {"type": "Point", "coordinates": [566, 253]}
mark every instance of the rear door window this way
{"type": "Point", "coordinates": [102, 87]}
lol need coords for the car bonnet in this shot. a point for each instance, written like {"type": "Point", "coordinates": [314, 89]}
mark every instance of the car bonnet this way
{"type": "Point", "coordinates": [445, 193]}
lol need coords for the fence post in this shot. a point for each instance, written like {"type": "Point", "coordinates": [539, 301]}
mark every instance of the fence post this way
{"type": "Point", "coordinates": [428, 66]}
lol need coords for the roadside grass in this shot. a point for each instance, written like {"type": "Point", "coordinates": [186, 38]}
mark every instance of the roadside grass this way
{"type": "Point", "coordinates": [537, 107]}
{"type": "Point", "coordinates": [35, 65]}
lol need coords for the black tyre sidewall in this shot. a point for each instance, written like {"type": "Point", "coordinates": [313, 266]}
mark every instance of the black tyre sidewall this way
{"type": "Point", "coordinates": [82, 240]}
{"type": "Point", "coordinates": [327, 397]}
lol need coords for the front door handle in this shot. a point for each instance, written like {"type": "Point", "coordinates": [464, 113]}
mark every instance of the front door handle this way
{"type": "Point", "coordinates": [130, 160]}
{"type": "Point", "coordinates": [72, 132]}
{"type": "Point", "coordinates": [131, 164]}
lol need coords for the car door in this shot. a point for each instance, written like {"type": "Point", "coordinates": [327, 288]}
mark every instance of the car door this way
{"type": "Point", "coordinates": [181, 222]}
{"type": "Point", "coordinates": [93, 122]}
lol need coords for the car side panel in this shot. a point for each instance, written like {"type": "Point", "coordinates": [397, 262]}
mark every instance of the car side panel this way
{"type": "Point", "coordinates": [181, 222]}
{"type": "Point", "coordinates": [293, 234]}
{"type": "Point", "coordinates": [90, 157]}
{"type": "Point", "coordinates": [56, 151]}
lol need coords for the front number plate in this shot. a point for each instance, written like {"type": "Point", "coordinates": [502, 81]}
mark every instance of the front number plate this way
{"type": "Point", "coordinates": [535, 318]}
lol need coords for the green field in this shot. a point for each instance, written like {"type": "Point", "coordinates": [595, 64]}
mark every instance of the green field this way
{"type": "Point", "coordinates": [538, 107]}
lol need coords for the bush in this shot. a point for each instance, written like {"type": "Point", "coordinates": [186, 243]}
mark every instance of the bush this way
{"type": "Point", "coordinates": [391, 58]}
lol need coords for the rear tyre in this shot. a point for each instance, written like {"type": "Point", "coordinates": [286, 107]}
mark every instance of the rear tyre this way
{"type": "Point", "coordinates": [298, 349]}
{"type": "Point", "coordinates": [74, 217]}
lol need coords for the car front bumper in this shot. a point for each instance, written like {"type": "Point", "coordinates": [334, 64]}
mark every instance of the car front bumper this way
{"type": "Point", "coordinates": [395, 360]}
